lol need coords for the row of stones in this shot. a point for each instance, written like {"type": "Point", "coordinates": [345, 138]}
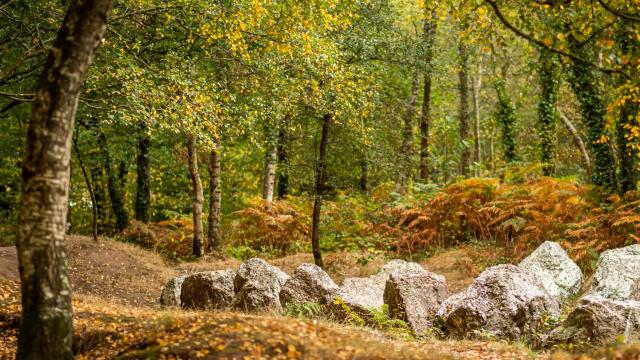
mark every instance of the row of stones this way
{"type": "Point", "coordinates": [505, 301]}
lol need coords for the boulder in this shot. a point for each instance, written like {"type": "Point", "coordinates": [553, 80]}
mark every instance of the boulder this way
{"type": "Point", "coordinates": [171, 292]}
{"type": "Point", "coordinates": [550, 265]}
{"type": "Point", "coordinates": [415, 296]}
{"type": "Point", "coordinates": [369, 291]}
{"type": "Point", "coordinates": [257, 285]}
{"type": "Point", "coordinates": [503, 301]}
{"type": "Point", "coordinates": [208, 290]}
{"type": "Point", "coordinates": [617, 275]}
{"type": "Point", "coordinates": [599, 321]}
{"type": "Point", "coordinates": [308, 284]}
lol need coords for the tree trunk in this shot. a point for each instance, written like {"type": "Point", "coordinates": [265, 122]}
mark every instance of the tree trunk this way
{"type": "Point", "coordinates": [404, 173]}
{"type": "Point", "coordinates": [549, 85]}
{"type": "Point", "coordinates": [46, 326]}
{"type": "Point", "coordinates": [143, 179]}
{"type": "Point", "coordinates": [477, 154]}
{"type": "Point", "coordinates": [198, 196]}
{"type": "Point", "coordinates": [269, 180]}
{"type": "Point", "coordinates": [321, 179]}
{"type": "Point", "coordinates": [577, 140]}
{"type": "Point", "coordinates": [97, 179]}
{"type": "Point", "coordinates": [463, 108]}
{"type": "Point", "coordinates": [215, 197]}
{"type": "Point", "coordinates": [429, 34]}
{"type": "Point", "coordinates": [364, 173]}
{"type": "Point", "coordinates": [115, 194]}
{"type": "Point", "coordinates": [283, 163]}
{"type": "Point", "coordinates": [585, 85]}
{"type": "Point", "coordinates": [94, 209]}
{"type": "Point", "coordinates": [506, 114]}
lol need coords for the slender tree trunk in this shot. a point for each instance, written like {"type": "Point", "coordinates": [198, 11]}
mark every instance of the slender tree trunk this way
{"type": "Point", "coordinates": [198, 196]}
{"type": "Point", "coordinates": [549, 85]}
{"type": "Point", "coordinates": [477, 154]}
{"type": "Point", "coordinates": [215, 197]}
{"type": "Point", "coordinates": [492, 155]}
{"type": "Point", "coordinates": [115, 194]}
{"type": "Point", "coordinates": [577, 140]}
{"type": "Point", "coordinates": [97, 179]}
{"type": "Point", "coordinates": [143, 177]}
{"type": "Point", "coordinates": [364, 173]}
{"type": "Point", "coordinates": [283, 163]}
{"type": "Point", "coordinates": [585, 86]}
{"type": "Point", "coordinates": [321, 179]}
{"type": "Point", "coordinates": [463, 108]}
{"type": "Point", "coordinates": [94, 209]}
{"type": "Point", "coordinates": [46, 326]}
{"type": "Point", "coordinates": [429, 33]}
{"type": "Point", "coordinates": [404, 173]}
{"type": "Point", "coordinates": [506, 114]}
{"type": "Point", "coordinates": [269, 180]}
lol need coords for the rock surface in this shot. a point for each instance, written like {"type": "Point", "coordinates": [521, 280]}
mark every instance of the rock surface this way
{"type": "Point", "coordinates": [415, 296]}
{"type": "Point", "coordinates": [308, 284]}
{"type": "Point", "coordinates": [171, 292]}
{"type": "Point", "coordinates": [257, 286]}
{"type": "Point", "coordinates": [503, 301]}
{"type": "Point", "coordinates": [369, 291]}
{"type": "Point", "coordinates": [208, 290]}
{"type": "Point", "coordinates": [617, 275]}
{"type": "Point", "coordinates": [599, 321]}
{"type": "Point", "coordinates": [550, 265]}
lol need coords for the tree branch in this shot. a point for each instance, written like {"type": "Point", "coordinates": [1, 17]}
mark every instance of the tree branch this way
{"type": "Point", "coordinates": [617, 12]}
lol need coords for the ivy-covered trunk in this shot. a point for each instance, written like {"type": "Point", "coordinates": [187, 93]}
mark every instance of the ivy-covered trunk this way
{"type": "Point", "coordinates": [46, 325]}
{"type": "Point", "coordinates": [321, 180]}
{"type": "Point", "coordinates": [214, 236]}
{"type": "Point", "coordinates": [197, 197]}
{"type": "Point", "coordinates": [463, 106]}
{"type": "Point", "coordinates": [404, 156]}
{"type": "Point", "coordinates": [143, 179]}
{"type": "Point", "coordinates": [584, 83]}
{"type": "Point", "coordinates": [549, 66]}
{"type": "Point", "coordinates": [506, 116]}
{"type": "Point", "coordinates": [429, 35]}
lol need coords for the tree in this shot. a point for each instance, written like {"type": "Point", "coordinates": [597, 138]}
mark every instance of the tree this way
{"type": "Point", "coordinates": [404, 155]}
{"type": "Point", "coordinates": [214, 238]}
{"type": "Point", "coordinates": [46, 327]}
{"type": "Point", "coordinates": [549, 66]}
{"type": "Point", "coordinates": [429, 34]}
{"type": "Point", "coordinates": [320, 187]}
{"type": "Point", "coordinates": [142, 201]}
{"type": "Point", "coordinates": [463, 109]}
{"type": "Point", "coordinates": [198, 196]}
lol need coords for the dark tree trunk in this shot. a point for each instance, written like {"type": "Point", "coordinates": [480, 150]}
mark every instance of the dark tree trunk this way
{"type": "Point", "coordinates": [463, 107]}
{"type": "Point", "coordinates": [321, 180]}
{"type": "Point", "coordinates": [477, 154]}
{"type": "Point", "coordinates": [97, 179]}
{"type": "Point", "coordinates": [46, 326]}
{"type": "Point", "coordinates": [198, 196]}
{"type": "Point", "coordinates": [143, 179]}
{"type": "Point", "coordinates": [429, 29]}
{"type": "Point", "coordinates": [283, 163]}
{"type": "Point", "coordinates": [549, 85]}
{"type": "Point", "coordinates": [215, 197]}
{"type": "Point", "coordinates": [115, 190]}
{"type": "Point", "coordinates": [404, 173]}
{"type": "Point", "coordinates": [585, 86]}
{"type": "Point", "coordinates": [94, 209]}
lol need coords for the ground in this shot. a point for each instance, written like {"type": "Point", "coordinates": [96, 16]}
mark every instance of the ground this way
{"type": "Point", "coordinates": [116, 289]}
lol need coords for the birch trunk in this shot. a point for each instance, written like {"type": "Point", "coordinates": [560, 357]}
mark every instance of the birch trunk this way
{"type": "Point", "coordinates": [215, 197]}
{"type": "Point", "coordinates": [198, 196]}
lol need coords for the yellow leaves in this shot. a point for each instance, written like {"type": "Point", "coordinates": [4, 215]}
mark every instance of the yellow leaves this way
{"type": "Point", "coordinates": [604, 139]}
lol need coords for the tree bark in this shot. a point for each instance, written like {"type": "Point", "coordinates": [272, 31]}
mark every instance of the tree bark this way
{"type": "Point", "coordinates": [100, 197]}
{"type": "Point", "coordinates": [506, 114]}
{"type": "Point", "coordinates": [404, 172]}
{"type": "Point", "coordinates": [549, 86]}
{"type": "Point", "coordinates": [283, 163]}
{"type": "Point", "coordinates": [94, 209]}
{"type": "Point", "coordinates": [477, 154]}
{"type": "Point", "coordinates": [198, 196]}
{"type": "Point", "coordinates": [577, 140]}
{"type": "Point", "coordinates": [429, 33]}
{"type": "Point", "coordinates": [269, 180]}
{"type": "Point", "coordinates": [463, 107]}
{"type": "Point", "coordinates": [143, 179]}
{"type": "Point", "coordinates": [321, 179]}
{"type": "Point", "coordinates": [214, 236]}
{"type": "Point", "coordinates": [46, 326]}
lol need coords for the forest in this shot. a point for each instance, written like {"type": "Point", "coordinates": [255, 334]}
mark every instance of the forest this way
{"type": "Point", "coordinates": [358, 179]}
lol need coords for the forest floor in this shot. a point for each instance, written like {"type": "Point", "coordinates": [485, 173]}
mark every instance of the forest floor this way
{"type": "Point", "coordinates": [117, 285]}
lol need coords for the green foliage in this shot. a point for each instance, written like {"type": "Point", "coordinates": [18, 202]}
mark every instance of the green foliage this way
{"type": "Point", "coordinates": [306, 310]}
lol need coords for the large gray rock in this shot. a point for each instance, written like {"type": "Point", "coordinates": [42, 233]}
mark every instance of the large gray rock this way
{"type": "Point", "coordinates": [171, 292]}
{"type": "Point", "coordinates": [369, 291]}
{"type": "Point", "coordinates": [257, 285]}
{"type": "Point", "coordinates": [503, 301]}
{"type": "Point", "coordinates": [208, 290]}
{"type": "Point", "coordinates": [599, 321]}
{"type": "Point", "coordinates": [617, 275]}
{"type": "Point", "coordinates": [415, 296]}
{"type": "Point", "coordinates": [308, 284]}
{"type": "Point", "coordinates": [550, 265]}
